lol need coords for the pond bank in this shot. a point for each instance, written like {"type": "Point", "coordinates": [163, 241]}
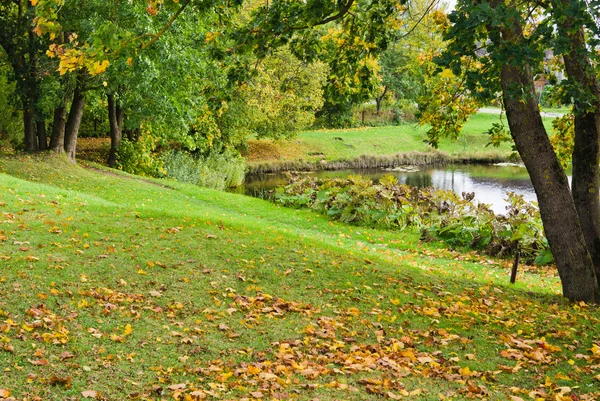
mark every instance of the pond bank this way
{"type": "Point", "coordinates": [376, 161]}
{"type": "Point", "coordinates": [375, 147]}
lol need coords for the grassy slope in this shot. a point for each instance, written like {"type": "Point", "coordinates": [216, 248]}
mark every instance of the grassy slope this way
{"type": "Point", "coordinates": [317, 145]}
{"type": "Point", "coordinates": [235, 297]}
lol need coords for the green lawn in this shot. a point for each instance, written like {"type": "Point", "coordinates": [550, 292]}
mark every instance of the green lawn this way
{"type": "Point", "coordinates": [349, 144]}
{"type": "Point", "coordinates": [117, 287]}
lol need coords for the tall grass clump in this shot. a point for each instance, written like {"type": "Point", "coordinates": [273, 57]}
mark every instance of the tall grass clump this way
{"type": "Point", "coordinates": [216, 170]}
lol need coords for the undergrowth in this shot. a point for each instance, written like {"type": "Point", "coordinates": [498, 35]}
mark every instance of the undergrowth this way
{"type": "Point", "coordinates": [439, 214]}
{"type": "Point", "coordinates": [217, 170]}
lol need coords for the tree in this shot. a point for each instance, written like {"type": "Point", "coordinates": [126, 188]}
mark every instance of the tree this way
{"type": "Point", "coordinates": [407, 64]}
{"type": "Point", "coordinates": [361, 30]}
{"type": "Point", "coordinates": [24, 49]}
{"type": "Point", "coordinates": [508, 41]}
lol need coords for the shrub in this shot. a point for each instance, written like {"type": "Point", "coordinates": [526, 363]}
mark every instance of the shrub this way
{"type": "Point", "coordinates": [457, 220]}
{"type": "Point", "coordinates": [139, 157]}
{"type": "Point", "coordinates": [216, 170]}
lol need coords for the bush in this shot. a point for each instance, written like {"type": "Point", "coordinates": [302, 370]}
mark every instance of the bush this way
{"type": "Point", "coordinates": [139, 157]}
{"type": "Point", "coordinates": [216, 170]}
{"type": "Point", "coordinates": [440, 214]}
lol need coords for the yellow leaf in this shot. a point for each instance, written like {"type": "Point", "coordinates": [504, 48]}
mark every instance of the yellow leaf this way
{"type": "Point", "coordinates": [465, 371]}
{"type": "Point", "coordinates": [128, 330]}
{"type": "Point", "coordinates": [447, 73]}
{"type": "Point", "coordinates": [98, 67]}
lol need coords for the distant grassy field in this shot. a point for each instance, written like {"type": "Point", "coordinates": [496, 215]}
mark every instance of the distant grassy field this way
{"type": "Point", "coordinates": [114, 287]}
{"type": "Point", "coordinates": [381, 142]}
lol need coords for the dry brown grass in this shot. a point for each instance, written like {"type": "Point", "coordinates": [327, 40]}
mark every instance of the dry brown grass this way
{"type": "Point", "coordinates": [261, 150]}
{"type": "Point", "coordinates": [93, 149]}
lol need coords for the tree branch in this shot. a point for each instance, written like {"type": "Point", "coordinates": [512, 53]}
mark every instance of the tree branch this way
{"type": "Point", "coordinates": [157, 35]}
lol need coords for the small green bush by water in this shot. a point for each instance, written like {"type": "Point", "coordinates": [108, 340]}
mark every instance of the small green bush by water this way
{"type": "Point", "coordinates": [440, 214]}
{"type": "Point", "coordinates": [217, 170]}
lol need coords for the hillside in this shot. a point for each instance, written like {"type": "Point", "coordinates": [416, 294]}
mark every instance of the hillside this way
{"type": "Point", "coordinates": [118, 287]}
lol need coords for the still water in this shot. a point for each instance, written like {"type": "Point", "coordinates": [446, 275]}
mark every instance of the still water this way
{"type": "Point", "coordinates": [490, 183]}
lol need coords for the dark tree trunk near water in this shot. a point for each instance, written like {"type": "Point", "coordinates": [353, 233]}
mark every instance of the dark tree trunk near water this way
{"type": "Point", "coordinates": [586, 151]}
{"type": "Point", "coordinates": [74, 120]}
{"type": "Point", "coordinates": [557, 208]}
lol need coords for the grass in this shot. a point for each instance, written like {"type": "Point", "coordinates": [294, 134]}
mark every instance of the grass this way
{"type": "Point", "coordinates": [378, 146]}
{"type": "Point", "coordinates": [144, 289]}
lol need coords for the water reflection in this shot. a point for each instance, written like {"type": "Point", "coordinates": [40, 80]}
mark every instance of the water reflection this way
{"type": "Point", "coordinates": [490, 183]}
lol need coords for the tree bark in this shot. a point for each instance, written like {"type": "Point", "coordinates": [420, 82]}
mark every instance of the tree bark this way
{"type": "Point", "coordinates": [586, 151]}
{"type": "Point", "coordinates": [30, 139]}
{"type": "Point", "coordinates": [57, 140]}
{"type": "Point", "coordinates": [379, 100]}
{"type": "Point", "coordinates": [557, 208]}
{"type": "Point", "coordinates": [41, 135]}
{"type": "Point", "coordinates": [115, 120]}
{"type": "Point", "coordinates": [74, 120]}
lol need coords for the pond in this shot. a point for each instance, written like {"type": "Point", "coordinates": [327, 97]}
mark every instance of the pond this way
{"type": "Point", "coordinates": [490, 183]}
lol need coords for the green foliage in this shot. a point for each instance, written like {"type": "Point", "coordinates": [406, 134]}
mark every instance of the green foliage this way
{"type": "Point", "coordinates": [216, 170]}
{"type": "Point", "coordinates": [11, 130]}
{"type": "Point", "coordinates": [284, 95]}
{"type": "Point", "coordinates": [564, 138]}
{"type": "Point", "coordinates": [499, 135]}
{"type": "Point", "coordinates": [336, 116]}
{"type": "Point", "coordinates": [140, 157]}
{"type": "Point", "coordinates": [439, 214]}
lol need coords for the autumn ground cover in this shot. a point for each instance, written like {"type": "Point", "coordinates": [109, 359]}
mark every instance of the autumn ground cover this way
{"type": "Point", "coordinates": [115, 287]}
{"type": "Point", "coordinates": [378, 142]}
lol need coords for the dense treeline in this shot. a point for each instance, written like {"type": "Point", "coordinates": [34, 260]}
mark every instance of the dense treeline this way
{"type": "Point", "coordinates": [200, 77]}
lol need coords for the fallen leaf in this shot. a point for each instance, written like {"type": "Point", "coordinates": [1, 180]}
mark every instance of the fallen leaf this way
{"type": "Point", "coordinates": [89, 394]}
{"type": "Point", "coordinates": [179, 386]}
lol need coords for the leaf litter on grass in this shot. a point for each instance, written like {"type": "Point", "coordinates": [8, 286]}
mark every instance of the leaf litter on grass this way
{"type": "Point", "coordinates": [145, 311]}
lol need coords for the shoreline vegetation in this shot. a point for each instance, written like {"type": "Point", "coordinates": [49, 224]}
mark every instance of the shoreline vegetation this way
{"type": "Point", "coordinates": [376, 161]}
{"type": "Point", "coordinates": [378, 147]}
{"type": "Point", "coordinates": [358, 148]}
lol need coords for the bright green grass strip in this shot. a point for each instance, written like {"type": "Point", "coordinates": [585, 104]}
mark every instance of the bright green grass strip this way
{"type": "Point", "coordinates": [349, 144]}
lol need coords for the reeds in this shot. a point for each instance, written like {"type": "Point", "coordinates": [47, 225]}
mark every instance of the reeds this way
{"type": "Point", "coordinates": [375, 161]}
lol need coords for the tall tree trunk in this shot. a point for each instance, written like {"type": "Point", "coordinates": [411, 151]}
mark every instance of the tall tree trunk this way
{"type": "Point", "coordinates": [57, 140]}
{"type": "Point", "coordinates": [41, 135]}
{"type": "Point", "coordinates": [74, 120]}
{"type": "Point", "coordinates": [115, 120]}
{"type": "Point", "coordinates": [557, 208]}
{"type": "Point", "coordinates": [586, 151]}
{"type": "Point", "coordinates": [30, 138]}
{"type": "Point", "coordinates": [379, 100]}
